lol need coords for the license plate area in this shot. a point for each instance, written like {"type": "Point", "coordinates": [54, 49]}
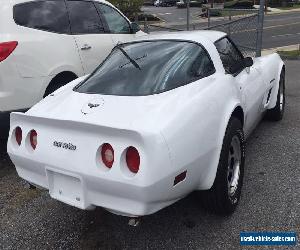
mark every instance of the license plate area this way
{"type": "Point", "coordinates": [65, 188]}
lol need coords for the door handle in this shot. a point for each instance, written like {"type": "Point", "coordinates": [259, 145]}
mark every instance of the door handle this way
{"type": "Point", "coordinates": [86, 47]}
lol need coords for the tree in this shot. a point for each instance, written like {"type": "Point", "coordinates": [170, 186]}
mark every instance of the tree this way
{"type": "Point", "coordinates": [130, 8]}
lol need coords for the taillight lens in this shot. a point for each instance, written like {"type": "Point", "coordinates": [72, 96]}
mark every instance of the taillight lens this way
{"type": "Point", "coordinates": [107, 154]}
{"type": "Point", "coordinates": [6, 49]}
{"type": "Point", "coordinates": [33, 139]}
{"type": "Point", "coordinates": [133, 159]}
{"type": "Point", "coordinates": [18, 135]}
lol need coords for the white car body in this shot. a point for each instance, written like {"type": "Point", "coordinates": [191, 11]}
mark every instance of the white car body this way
{"type": "Point", "coordinates": [42, 56]}
{"type": "Point", "coordinates": [175, 131]}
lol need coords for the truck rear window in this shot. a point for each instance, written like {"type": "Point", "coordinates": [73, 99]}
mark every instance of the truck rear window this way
{"type": "Point", "coordinates": [148, 67]}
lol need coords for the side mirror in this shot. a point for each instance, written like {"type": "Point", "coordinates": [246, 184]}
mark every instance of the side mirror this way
{"type": "Point", "coordinates": [135, 28]}
{"type": "Point", "coordinates": [248, 62]}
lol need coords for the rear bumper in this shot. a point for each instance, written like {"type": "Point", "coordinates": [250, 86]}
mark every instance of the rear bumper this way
{"type": "Point", "coordinates": [119, 198]}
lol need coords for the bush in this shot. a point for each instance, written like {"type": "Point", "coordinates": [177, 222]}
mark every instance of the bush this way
{"type": "Point", "coordinates": [215, 13]}
{"type": "Point", "coordinates": [280, 3]}
{"type": "Point", "coordinates": [130, 8]}
{"type": "Point", "coordinates": [239, 4]}
{"type": "Point", "coordinates": [142, 16]}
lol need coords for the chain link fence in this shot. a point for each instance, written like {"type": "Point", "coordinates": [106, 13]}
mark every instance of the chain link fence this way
{"type": "Point", "coordinates": [241, 25]}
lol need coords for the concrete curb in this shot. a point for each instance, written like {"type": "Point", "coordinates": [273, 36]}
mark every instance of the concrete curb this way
{"type": "Point", "coordinates": [284, 48]}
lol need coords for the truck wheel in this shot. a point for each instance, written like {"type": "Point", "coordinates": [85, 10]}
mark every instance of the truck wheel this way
{"type": "Point", "coordinates": [224, 195]}
{"type": "Point", "coordinates": [276, 113]}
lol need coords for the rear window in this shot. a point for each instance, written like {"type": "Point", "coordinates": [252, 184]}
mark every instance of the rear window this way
{"type": "Point", "coordinates": [146, 68]}
{"type": "Point", "coordinates": [46, 15]}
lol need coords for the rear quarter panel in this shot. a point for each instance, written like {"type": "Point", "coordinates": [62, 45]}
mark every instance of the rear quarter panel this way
{"type": "Point", "coordinates": [195, 132]}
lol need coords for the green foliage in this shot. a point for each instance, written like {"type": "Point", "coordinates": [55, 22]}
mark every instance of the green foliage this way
{"type": "Point", "coordinates": [129, 7]}
{"type": "Point", "coordinates": [239, 4]}
{"type": "Point", "coordinates": [280, 3]}
{"type": "Point", "coordinates": [294, 54]}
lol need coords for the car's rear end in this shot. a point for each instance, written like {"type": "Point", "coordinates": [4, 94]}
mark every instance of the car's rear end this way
{"type": "Point", "coordinates": [123, 170]}
{"type": "Point", "coordinates": [100, 142]}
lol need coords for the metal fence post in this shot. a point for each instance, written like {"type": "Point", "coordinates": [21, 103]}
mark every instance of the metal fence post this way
{"type": "Point", "coordinates": [187, 14]}
{"type": "Point", "coordinates": [260, 28]}
{"type": "Point", "coordinates": [146, 27]}
{"type": "Point", "coordinates": [229, 29]}
{"type": "Point", "coordinates": [208, 17]}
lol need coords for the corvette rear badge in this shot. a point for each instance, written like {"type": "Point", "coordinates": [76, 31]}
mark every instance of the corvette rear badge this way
{"type": "Point", "coordinates": [92, 105]}
{"type": "Point", "coordinates": [64, 145]}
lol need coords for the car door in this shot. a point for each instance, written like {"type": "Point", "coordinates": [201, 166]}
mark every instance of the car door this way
{"type": "Point", "coordinates": [248, 79]}
{"type": "Point", "coordinates": [118, 25]}
{"type": "Point", "coordinates": [93, 43]}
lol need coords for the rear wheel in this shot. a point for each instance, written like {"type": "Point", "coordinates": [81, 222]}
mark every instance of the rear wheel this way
{"type": "Point", "coordinates": [276, 113]}
{"type": "Point", "coordinates": [224, 195]}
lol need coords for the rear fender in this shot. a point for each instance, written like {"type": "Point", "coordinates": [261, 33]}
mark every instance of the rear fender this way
{"type": "Point", "coordinates": [212, 171]}
{"type": "Point", "coordinates": [275, 65]}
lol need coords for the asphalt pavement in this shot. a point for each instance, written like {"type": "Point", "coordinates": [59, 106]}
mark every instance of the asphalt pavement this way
{"type": "Point", "coordinates": [30, 219]}
{"type": "Point", "coordinates": [281, 29]}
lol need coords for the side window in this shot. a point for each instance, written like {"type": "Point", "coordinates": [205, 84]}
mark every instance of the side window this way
{"type": "Point", "coordinates": [116, 22]}
{"type": "Point", "coordinates": [47, 15]}
{"type": "Point", "coordinates": [189, 67]}
{"type": "Point", "coordinates": [84, 18]}
{"type": "Point", "coordinates": [229, 54]}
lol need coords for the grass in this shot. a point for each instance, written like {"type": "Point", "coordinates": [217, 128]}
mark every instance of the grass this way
{"type": "Point", "coordinates": [290, 54]}
{"type": "Point", "coordinates": [295, 6]}
{"type": "Point", "coordinates": [227, 13]}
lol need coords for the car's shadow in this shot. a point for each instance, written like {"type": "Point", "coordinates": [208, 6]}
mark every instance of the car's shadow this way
{"type": "Point", "coordinates": [170, 228]}
{"type": "Point", "coordinates": [4, 158]}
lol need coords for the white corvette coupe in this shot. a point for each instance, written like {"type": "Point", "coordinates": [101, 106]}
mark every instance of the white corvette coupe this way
{"type": "Point", "coordinates": [158, 119]}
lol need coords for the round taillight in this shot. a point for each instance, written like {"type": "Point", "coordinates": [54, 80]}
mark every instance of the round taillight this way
{"type": "Point", "coordinates": [33, 139]}
{"type": "Point", "coordinates": [133, 159]}
{"type": "Point", "coordinates": [107, 154]}
{"type": "Point", "coordinates": [18, 135]}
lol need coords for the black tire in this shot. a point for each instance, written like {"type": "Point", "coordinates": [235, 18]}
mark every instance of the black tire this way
{"type": "Point", "coordinates": [59, 81]}
{"type": "Point", "coordinates": [276, 113]}
{"type": "Point", "coordinates": [219, 198]}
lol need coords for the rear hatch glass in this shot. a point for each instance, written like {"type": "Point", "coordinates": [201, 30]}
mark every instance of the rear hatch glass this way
{"type": "Point", "coordinates": [148, 67]}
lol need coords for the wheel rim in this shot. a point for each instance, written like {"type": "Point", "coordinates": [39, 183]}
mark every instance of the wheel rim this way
{"type": "Point", "coordinates": [281, 96]}
{"type": "Point", "coordinates": [234, 163]}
